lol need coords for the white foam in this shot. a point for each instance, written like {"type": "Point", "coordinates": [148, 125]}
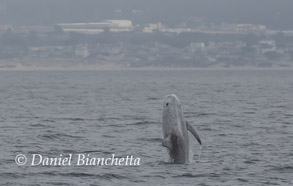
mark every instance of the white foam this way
{"type": "Point", "coordinates": [199, 153]}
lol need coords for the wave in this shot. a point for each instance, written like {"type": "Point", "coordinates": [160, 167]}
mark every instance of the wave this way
{"type": "Point", "coordinates": [58, 136]}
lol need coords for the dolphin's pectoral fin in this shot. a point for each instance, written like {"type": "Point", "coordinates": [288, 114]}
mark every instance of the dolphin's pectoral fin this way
{"type": "Point", "coordinates": [190, 128]}
{"type": "Point", "coordinates": [167, 142]}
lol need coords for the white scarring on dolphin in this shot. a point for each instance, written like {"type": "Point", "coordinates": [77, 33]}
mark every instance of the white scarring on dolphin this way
{"type": "Point", "coordinates": [175, 130]}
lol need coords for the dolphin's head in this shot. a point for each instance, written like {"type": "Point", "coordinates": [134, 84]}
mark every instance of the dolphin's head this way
{"type": "Point", "coordinates": [171, 107]}
{"type": "Point", "coordinates": [171, 102]}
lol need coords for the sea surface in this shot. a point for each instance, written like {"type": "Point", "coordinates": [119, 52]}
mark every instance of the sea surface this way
{"type": "Point", "coordinates": [244, 119]}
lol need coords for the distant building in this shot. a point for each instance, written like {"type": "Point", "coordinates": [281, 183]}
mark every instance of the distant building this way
{"type": "Point", "coordinates": [250, 28]}
{"type": "Point", "coordinates": [153, 27]}
{"type": "Point", "coordinates": [98, 27]}
{"type": "Point", "coordinates": [197, 46]}
{"type": "Point", "coordinates": [267, 46]}
{"type": "Point", "coordinates": [82, 51]}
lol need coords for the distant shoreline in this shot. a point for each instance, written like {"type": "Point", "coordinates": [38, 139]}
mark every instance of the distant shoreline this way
{"type": "Point", "coordinates": [74, 65]}
{"type": "Point", "coordinates": [118, 68]}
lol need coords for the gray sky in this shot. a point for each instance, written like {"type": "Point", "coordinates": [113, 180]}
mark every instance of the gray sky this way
{"type": "Point", "coordinates": [273, 13]}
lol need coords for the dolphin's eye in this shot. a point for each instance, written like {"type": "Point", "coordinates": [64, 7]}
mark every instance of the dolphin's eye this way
{"type": "Point", "coordinates": [167, 104]}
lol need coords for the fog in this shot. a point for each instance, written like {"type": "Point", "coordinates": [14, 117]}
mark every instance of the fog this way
{"type": "Point", "coordinates": [272, 13]}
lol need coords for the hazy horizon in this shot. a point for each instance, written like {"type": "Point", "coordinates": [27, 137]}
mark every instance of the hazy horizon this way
{"type": "Point", "coordinates": [273, 14]}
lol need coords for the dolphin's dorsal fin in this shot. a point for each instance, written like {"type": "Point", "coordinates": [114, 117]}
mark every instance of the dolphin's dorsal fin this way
{"type": "Point", "coordinates": [190, 128]}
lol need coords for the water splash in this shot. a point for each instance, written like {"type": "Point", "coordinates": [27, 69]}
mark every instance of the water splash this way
{"type": "Point", "coordinates": [199, 154]}
{"type": "Point", "coordinates": [191, 160]}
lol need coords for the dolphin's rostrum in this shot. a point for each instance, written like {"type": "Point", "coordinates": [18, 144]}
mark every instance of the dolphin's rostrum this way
{"type": "Point", "coordinates": [175, 130]}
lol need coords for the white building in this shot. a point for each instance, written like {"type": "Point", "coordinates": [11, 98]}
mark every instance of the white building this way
{"type": "Point", "coordinates": [97, 27]}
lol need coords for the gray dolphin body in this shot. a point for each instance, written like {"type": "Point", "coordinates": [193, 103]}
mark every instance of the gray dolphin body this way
{"type": "Point", "coordinates": [175, 130]}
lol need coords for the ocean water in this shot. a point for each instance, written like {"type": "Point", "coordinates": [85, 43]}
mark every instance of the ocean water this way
{"type": "Point", "coordinates": [244, 119]}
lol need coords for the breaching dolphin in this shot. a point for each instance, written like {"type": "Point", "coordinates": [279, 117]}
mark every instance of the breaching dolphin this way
{"type": "Point", "coordinates": [175, 130]}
